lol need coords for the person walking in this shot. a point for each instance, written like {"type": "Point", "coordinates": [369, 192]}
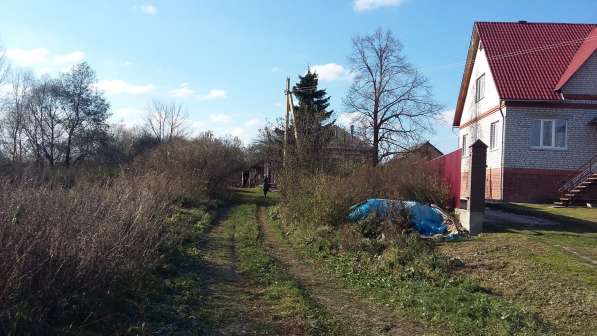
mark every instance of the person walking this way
{"type": "Point", "coordinates": [266, 186]}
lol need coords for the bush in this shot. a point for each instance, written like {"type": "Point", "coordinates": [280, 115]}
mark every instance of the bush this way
{"type": "Point", "coordinates": [63, 249]}
{"type": "Point", "coordinates": [316, 202]}
{"type": "Point", "coordinates": [76, 243]}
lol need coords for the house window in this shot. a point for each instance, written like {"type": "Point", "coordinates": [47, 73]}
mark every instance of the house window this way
{"type": "Point", "coordinates": [493, 135]}
{"type": "Point", "coordinates": [548, 133]}
{"type": "Point", "coordinates": [464, 144]}
{"type": "Point", "coordinates": [480, 88]}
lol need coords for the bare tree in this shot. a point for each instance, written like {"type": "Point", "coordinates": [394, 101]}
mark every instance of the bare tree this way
{"type": "Point", "coordinates": [43, 121]}
{"type": "Point", "coordinates": [392, 99]}
{"type": "Point", "coordinates": [13, 121]}
{"type": "Point", "coordinates": [165, 121]}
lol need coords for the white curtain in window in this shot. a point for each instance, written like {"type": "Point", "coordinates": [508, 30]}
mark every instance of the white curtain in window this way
{"type": "Point", "coordinates": [560, 133]}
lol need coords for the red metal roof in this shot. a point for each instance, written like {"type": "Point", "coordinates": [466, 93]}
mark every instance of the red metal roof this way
{"type": "Point", "coordinates": [527, 60]}
{"type": "Point", "coordinates": [583, 53]}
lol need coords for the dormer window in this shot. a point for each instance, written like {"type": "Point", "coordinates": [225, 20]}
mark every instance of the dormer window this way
{"type": "Point", "coordinates": [480, 88]}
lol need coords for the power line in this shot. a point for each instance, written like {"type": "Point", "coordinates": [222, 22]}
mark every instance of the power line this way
{"type": "Point", "coordinates": [517, 53]}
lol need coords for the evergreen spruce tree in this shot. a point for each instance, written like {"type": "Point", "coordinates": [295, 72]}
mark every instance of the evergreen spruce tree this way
{"type": "Point", "coordinates": [313, 121]}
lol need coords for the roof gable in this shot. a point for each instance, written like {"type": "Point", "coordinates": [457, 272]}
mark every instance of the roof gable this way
{"type": "Point", "coordinates": [526, 60]}
{"type": "Point", "coordinates": [586, 50]}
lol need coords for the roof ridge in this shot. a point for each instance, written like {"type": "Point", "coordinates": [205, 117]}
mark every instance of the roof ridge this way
{"type": "Point", "coordinates": [538, 23]}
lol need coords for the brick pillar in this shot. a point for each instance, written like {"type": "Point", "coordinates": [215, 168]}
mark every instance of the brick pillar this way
{"type": "Point", "coordinates": [477, 176]}
{"type": "Point", "coordinates": [472, 217]}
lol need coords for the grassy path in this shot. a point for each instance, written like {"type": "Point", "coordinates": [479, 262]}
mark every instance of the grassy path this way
{"type": "Point", "coordinates": [247, 293]}
{"type": "Point", "coordinates": [360, 313]}
{"type": "Point", "coordinates": [253, 284]}
{"type": "Point", "coordinates": [232, 304]}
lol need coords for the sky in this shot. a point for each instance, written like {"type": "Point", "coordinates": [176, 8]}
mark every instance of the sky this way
{"type": "Point", "coordinates": [226, 61]}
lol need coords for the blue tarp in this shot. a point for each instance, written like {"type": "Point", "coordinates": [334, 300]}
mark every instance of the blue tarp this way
{"type": "Point", "coordinates": [425, 219]}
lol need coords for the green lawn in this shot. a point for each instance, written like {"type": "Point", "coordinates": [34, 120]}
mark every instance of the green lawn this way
{"type": "Point", "coordinates": [578, 213]}
{"type": "Point", "coordinates": [550, 269]}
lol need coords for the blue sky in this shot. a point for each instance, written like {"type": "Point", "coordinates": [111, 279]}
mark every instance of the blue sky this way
{"type": "Point", "coordinates": [226, 61]}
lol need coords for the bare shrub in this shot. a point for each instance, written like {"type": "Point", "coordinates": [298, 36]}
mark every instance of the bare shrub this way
{"type": "Point", "coordinates": [320, 200]}
{"type": "Point", "coordinates": [206, 163]}
{"type": "Point", "coordinates": [61, 250]}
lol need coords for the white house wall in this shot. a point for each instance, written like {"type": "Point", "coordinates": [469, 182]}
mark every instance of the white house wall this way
{"type": "Point", "coordinates": [581, 139]}
{"type": "Point", "coordinates": [584, 81]}
{"type": "Point", "coordinates": [471, 108]}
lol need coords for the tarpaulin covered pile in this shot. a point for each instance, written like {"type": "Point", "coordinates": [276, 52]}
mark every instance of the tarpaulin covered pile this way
{"type": "Point", "coordinates": [427, 220]}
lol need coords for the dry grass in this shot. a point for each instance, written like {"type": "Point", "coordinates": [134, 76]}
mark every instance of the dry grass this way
{"type": "Point", "coordinates": [73, 244]}
{"type": "Point", "coordinates": [62, 248]}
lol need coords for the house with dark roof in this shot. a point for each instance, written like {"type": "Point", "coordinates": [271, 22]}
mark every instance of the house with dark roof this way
{"type": "Point", "coordinates": [423, 151]}
{"type": "Point", "coordinates": [347, 150]}
{"type": "Point", "coordinates": [529, 91]}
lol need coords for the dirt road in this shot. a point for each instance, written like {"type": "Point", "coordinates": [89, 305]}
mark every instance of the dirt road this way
{"type": "Point", "coordinates": [237, 304]}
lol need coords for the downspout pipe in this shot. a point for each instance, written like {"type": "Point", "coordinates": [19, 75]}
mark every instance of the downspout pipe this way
{"type": "Point", "coordinates": [503, 149]}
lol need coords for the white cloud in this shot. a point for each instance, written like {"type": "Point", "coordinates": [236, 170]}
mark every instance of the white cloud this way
{"type": "Point", "coordinates": [331, 72]}
{"type": "Point", "coordinates": [128, 116]}
{"type": "Point", "coordinates": [348, 118]}
{"type": "Point", "coordinates": [148, 9]}
{"type": "Point", "coordinates": [118, 86]}
{"type": "Point", "coordinates": [70, 58]}
{"type": "Point", "coordinates": [220, 118]}
{"type": "Point", "coordinates": [214, 94]}
{"type": "Point", "coordinates": [28, 58]}
{"type": "Point", "coordinates": [252, 123]}
{"type": "Point", "coordinates": [447, 116]}
{"type": "Point", "coordinates": [182, 91]}
{"type": "Point", "coordinates": [42, 61]}
{"type": "Point", "coordinates": [364, 5]}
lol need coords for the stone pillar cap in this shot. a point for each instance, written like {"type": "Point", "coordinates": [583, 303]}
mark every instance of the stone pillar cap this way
{"type": "Point", "coordinates": [478, 144]}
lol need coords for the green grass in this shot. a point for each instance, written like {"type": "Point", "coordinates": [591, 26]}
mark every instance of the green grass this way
{"type": "Point", "coordinates": [551, 268]}
{"type": "Point", "coordinates": [458, 304]}
{"type": "Point", "coordinates": [575, 218]}
{"type": "Point", "coordinates": [284, 294]}
{"type": "Point", "coordinates": [576, 213]}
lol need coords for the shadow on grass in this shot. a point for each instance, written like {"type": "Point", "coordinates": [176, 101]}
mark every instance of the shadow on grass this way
{"type": "Point", "coordinates": [563, 223]}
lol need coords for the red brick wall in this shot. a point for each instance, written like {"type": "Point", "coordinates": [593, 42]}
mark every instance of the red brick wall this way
{"type": "Point", "coordinates": [524, 185]}
{"type": "Point", "coordinates": [464, 187]}
{"type": "Point", "coordinates": [493, 184]}
{"type": "Point", "coordinates": [536, 185]}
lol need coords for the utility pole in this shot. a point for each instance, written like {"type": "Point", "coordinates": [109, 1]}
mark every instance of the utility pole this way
{"type": "Point", "coordinates": [285, 150]}
{"type": "Point", "coordinates": [289, 111]}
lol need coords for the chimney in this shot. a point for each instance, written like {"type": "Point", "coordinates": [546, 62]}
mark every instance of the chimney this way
{"type": "Point", "coordinates": [523, 21]}
{"type": "Point", "coordinates": [351, 130]}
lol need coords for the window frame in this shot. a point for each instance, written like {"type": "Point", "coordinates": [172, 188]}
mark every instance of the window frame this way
{"type": "Point", "coordinates": [480, 94]}
{"type": "Point", "coordinates": [553, 146]}
{"type": "Point", "coordinates": [493, 135]}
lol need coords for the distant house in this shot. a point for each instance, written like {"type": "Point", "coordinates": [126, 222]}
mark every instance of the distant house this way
{"type": "Point", "coordinates": [346, 149]}
{"type": "Point", "coordinates": [254, 176]}
{"type": "Point", "coordinates": [529, 91]}
{"type": "Point", "coordinates": [424, 151]}
{"type": "Point", "coordinates": [343, 152]}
